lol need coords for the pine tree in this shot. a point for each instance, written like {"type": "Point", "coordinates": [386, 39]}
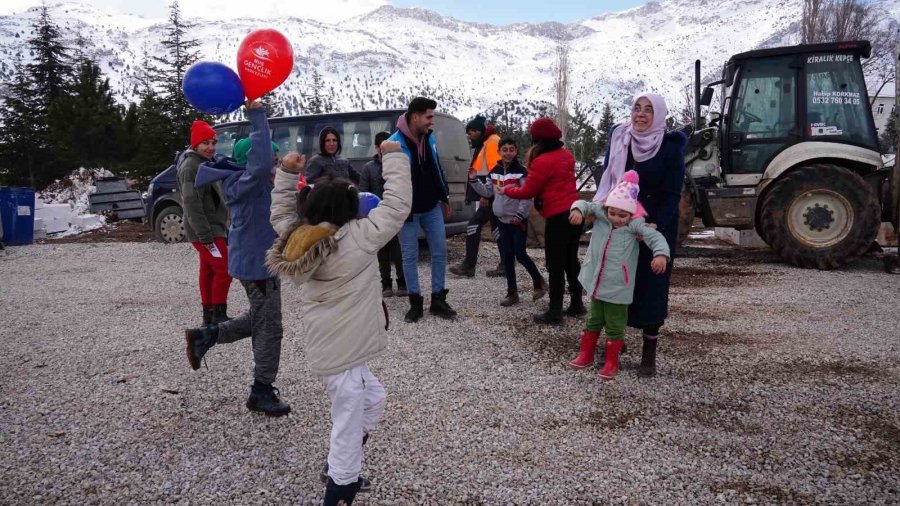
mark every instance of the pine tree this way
{"type": "Point", "coordinates": [87, 123]}
{"type": "Point", "coordinates": [607, 122]}
{"type": "Point", "coordinates": [19, 145]}
{"type": "Point", "coordinates": [51, 69]}
{"type": "Point", "coordinates": [891, 135]}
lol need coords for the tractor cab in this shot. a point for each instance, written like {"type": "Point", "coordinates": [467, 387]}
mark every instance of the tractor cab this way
{"type": "Point", "coordinates": [792, 153]}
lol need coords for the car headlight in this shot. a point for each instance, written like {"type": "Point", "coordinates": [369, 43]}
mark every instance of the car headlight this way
{"type": "Point", "coordinates": [150, 190]}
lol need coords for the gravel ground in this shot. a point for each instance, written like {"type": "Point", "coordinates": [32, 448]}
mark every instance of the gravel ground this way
{"type": "Point", "coordinates": [775, 385]}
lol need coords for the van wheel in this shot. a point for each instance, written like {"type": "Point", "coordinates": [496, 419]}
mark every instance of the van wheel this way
{"type": "Point", "coordinates": [169, 225]}
{"type": "Point", "coordinates": [820, 216]}
{"type": "Point", "coordinates": [686, 214]}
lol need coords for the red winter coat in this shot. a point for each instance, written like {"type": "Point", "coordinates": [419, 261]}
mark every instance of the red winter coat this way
{"type": "Point", "coordinates": [551, 181]}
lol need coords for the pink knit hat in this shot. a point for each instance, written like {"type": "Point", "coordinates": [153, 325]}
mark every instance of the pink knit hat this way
{"type": "Point", "coordinates": [625, 195]}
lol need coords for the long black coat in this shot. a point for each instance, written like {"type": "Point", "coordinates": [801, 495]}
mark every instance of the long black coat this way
{"type": "Point", "coordinates": [661, 180]}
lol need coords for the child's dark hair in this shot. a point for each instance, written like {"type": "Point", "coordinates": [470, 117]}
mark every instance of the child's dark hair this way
{"type": "Point", "coordinates": [335, 201]}
{"type": "Point", "coordinates": [381, 137]}
{"type": "Point", "coordinates": [323, 134]}
{"type": "Point", "coordinates": [506, 140]}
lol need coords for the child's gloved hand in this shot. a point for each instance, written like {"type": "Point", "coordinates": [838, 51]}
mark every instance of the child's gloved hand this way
{"type": "Point", "coordinates": [575, 217]}
{"type": "Point", "coordinates": [658, 264]}
{"type": "Point", "coordinates": [390, 147]}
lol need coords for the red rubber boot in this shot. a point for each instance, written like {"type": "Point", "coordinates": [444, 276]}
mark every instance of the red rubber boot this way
{"type": "Point", "coordinates": [585, 356]}
{"type": "Point", "coordinates": [611, 367]}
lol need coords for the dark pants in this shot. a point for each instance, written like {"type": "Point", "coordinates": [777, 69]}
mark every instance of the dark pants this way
{"type": "Point", "coordinates": [561, 250]}
{"type": "Point", "coordinates": [390, 254]}
{"type": "Point", "coordinates": [483, 215]}
{"type": "Point", "coordinates": [262, 322]}
{"type": "Point", "coordinates": [512, 247]}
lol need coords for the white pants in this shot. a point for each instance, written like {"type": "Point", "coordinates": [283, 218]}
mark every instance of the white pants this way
{"type": "Point", "coordinates": [357, 403]}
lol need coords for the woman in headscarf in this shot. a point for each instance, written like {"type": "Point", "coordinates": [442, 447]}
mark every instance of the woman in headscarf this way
{"type": "Point", "coordinates": [658, 158]}
{"type": "Point", "coordinates": [551, 182]}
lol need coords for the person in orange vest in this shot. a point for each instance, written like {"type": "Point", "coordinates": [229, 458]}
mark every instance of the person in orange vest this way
{"type": "Point", "coordinates": [485, 157]}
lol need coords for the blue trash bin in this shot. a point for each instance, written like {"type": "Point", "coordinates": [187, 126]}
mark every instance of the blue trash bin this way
{"type": "Point", "coordinates": [17, 214]}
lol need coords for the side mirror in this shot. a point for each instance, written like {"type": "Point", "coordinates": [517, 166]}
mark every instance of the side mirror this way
{"type": "Point", "coordinates": [707, 96]}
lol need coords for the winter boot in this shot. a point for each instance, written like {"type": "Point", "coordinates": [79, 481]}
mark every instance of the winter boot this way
{"type": "Point", "coordinates": [439, 306]}
{"type": "Point", "coordinates": [553, 316]}
{"type": "Point", "coordinates": [463, 269]}
{"type": "Point", "coordinates": [340, 494]}
{"type": "Point", "coordinates": [647, 368]}
{"type": "Point", "coordinates": [416, 310]}
{"type": "Point", "coordinates": [198, 342]}
{"type": "Point", "coordinates": [365, 484]}
{"type": "Point", "coordinates": [511, 298]}
{"type": "Point", "coordinates": [611, 367]}
{"type": "Point", "coordinates": [576, 307]}
{"type": "Point", "coordinates": [401, 289]}
{"type": "Point", "coordinates": [207, 314]}
{"type": "Point", "coordinates": [219, 313]}
{"type": "Point", "coordinates": [499, 272]}
{"type": "Point", "coordinates": [585, 356]}
{"type": "Point", "coordinates": [264, 398]}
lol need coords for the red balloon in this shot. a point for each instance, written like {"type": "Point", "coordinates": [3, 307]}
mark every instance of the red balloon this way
{"type": "Point", "coordinates": [265, 59]}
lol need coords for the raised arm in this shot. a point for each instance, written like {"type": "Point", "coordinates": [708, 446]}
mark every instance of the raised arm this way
{"type": "Point", "coordinates": [385, 221]}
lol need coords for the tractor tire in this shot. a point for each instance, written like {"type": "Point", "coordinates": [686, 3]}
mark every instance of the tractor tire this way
{"type": "Point", "coordinates": [169, 225]}
{"type": "Point", "coordinates": [820, 216]}
{"type": "Point", "coordinates": [686, 213]}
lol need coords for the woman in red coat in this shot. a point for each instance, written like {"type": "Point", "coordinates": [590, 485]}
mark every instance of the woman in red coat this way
{"type": "Point", "coordinates": [551, 182]}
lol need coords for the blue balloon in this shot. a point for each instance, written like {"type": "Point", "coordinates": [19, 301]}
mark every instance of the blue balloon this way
{"type": "Point", "coordinates": [212, 88]}
{"type": "Point", "coordinates": [367, 202]}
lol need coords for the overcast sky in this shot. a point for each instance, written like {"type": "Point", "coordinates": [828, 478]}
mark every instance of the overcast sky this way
{"type": "Point", "coordinates": [491, 11]}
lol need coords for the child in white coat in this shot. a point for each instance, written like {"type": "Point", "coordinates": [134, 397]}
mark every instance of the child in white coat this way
{"type": "Point", "coordinates": [332, 254]}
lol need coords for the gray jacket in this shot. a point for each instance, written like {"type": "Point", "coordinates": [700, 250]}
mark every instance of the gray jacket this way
{"type": "Point", "coordinates": [334, 166]}
{"type": "Point", "coordinates": [370, 179]}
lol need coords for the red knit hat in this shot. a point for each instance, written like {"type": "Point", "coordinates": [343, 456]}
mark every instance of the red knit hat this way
{"type": "Point", "coordinates": [544, 128]}
{"type": "Point", "coordinates": [201, 131]}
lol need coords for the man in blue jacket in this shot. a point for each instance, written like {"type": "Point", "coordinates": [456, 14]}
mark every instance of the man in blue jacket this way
{"type": "Point", "coordinates": [248, 193]}
{"type": "Point", "coordinates": [430, 208]}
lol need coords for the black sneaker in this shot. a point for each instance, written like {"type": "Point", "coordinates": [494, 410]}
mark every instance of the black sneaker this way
{"type": "Point", "coordinates": [198, 342]}
{"type": "Point", "coordinates": [365, 484]}
{"type": "Point", "coordinates": [548, 318]}
{"type": "Point", "coordinates": [264, 398]}
{"type": "Point", "coordinates": [340, 494]}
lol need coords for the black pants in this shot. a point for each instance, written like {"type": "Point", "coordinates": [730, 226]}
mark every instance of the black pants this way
{"type": "Point", "coordinates": [561, 250]}
{"type": "Point", "coordinates": [512, 248]}
{"type": "Point", "coordinates": [390, 254]}
{"type": "Point", "coordinates": [483, 215]}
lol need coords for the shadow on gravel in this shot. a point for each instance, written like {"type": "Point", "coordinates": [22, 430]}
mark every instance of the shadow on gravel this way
{"type": "Point", "coordinates": [690, 344]}
{"type": "Point", "coordinates": [608, 419]}
{"type": "Point", "coordinates": [734, 492]}
{"type": "Point", "coordinates": [805, 371]}
{"type": "Point", "coordinates": [714, 275]}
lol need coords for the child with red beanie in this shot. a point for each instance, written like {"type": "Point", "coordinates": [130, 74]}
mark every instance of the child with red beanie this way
{"type": "Point", "coordinates": [205, 223]}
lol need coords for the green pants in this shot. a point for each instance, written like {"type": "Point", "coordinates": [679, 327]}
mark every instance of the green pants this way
{"type": "Point", "coordinates": [607, 315]}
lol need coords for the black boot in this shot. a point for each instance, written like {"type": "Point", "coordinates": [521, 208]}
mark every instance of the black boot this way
{"type": "Point", "coordinates": [198, 342]}
{"type": "Point", "coordinates": [439, 306]}
{"type": "Point", "coordinates": [264, 398]}
{"type": "Point", "coordinates": [416, 309]}
{"type": "Point", "coordinates": [576, 307]}
{"type": "Point", "coordinates": [364, 483]}
{"type": "Point", "coordinates": [464, 269]}
{"type": "Point", "coordinates": [207, 314]}
{"type": "Point", "coordinates": [335, 493]}
{"type": "Point", "coordinates": [219, 313]}
{"type": "Point", "coordinates": [553, 316]}
{"type": "Point", "coordinates": [647, 368]}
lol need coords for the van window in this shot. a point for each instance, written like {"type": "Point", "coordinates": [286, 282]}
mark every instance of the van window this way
{"type": "Point", "coordinates": [227, 137]}
{"type": "Point", "coordinates": [357, 137]}
{"type": "Point", "coordinates": [451, 138]}
{"type": "Point", "coordinates": [293, 137]}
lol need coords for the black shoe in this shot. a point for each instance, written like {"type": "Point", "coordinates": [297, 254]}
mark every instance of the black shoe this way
{"type": "Point", "coordinates": [335, 494]}
{"type": "Point", "coordinates": [647, 369]}
{"type": "Point", "coordinates": [439, 306]}
{"type": "Point", "coordinates": [219, 313]}
{"type": "Point", "coordinates": [207, 315]}
{"type": "Point", "coordinates": [264, 398]}
{"type": "Point", "coordinates": [549, 318]}
{"type": "Point", "coordinates": [576, 307]}
{"type": "Point", "coordinates": [416, 308]}
{"type": "Point", "coordinates": [401, 289]}
{"type": "Point", "coordinates": [365, 484]}
{"type": "Point", "coordinates": [463, 269]}
{"type": "Point", "coordinates": [198, 342]}
{"type": "Point", "coordinates": [499, 272]}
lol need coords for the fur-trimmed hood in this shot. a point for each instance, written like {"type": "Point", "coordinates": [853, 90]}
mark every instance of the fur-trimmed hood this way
{"type": "Point", "coordinates": [298, 253]}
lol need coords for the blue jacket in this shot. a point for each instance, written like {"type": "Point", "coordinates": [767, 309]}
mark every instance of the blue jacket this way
{"type": "Point", "coordinates": [432, 143]}
{"type": "Point", "coordinates": [248, 194]}
{"type": "Point", "coordinates": [661, 181]}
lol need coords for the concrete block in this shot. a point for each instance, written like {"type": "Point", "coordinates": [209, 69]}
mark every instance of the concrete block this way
{"type": "Point", "coordinates": [54, 212]}
{"type": "Point", "coordinates": [56, 225]}
{"type": "Point", "coordinates": [742, 238]}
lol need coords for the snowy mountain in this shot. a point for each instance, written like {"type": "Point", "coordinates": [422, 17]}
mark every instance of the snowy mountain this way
{"type": "Point", "coordinates": [381, 58]}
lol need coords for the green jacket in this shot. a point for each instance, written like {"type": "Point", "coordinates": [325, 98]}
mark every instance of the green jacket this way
{"type": "Point", "coordinates": [612, 256]}
{"type": "Point", "coordinates": [205, 213]}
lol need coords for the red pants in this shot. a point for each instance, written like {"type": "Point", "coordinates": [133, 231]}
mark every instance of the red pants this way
{"type": "Point", "coordinates": [214, 278]}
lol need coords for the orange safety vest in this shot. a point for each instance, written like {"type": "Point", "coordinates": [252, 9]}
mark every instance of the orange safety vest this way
{"type": "Point", "coordinates": [488, 157]}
